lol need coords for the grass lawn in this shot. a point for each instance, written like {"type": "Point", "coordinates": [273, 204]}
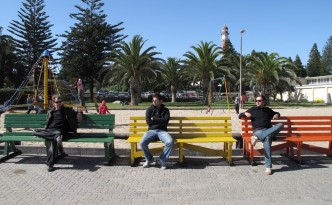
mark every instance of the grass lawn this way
{"type": "Point", "coordinates": [198, 105]}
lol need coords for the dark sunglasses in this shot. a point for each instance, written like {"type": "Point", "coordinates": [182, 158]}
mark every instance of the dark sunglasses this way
{"type": "Point", "coordinates": [259, 100]}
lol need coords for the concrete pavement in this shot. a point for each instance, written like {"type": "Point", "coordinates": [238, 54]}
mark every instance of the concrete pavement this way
{"type": "Point", "coordinates": [202, 180]}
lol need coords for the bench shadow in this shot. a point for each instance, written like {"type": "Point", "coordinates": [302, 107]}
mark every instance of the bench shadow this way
{"type": "Point", "coordinates": [193, 162]}
{"type": "Point", "coordinates": [308, 162]}
{"type": "Point", "coordinates": [91, 163]}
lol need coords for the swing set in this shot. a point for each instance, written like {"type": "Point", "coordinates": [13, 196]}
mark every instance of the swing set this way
{"type": "Point", "coordinates": [44, 89]}
{"type": "Point", "coordinates": [212, 99]}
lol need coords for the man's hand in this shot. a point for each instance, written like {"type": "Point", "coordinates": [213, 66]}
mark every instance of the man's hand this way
{"type": "Point", "coordinates": [241, 115]}
{"type": "Point", "coordinates": [276, 116]}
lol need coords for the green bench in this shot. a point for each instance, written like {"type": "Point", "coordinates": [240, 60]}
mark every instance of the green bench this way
{"type": "Point", "coordinates": [93, 128]}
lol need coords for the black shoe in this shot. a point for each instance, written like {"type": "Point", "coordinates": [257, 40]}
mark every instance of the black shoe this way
{"type": "Point", "coordinates": [62, 155]}
{"type": "Point", "coordinates": [50, 168]}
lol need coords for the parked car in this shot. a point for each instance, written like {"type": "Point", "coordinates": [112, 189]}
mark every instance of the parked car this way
{"type": "Point", "coordinates": [165, 94]}
{"type": "Point", "coordinates": [181, 94]}
{"type": "Point", "coordinates": [123, 95]}
{"type": "Point", "coordinates": [147, 95]}
{"type": "Point", "coordinates": [110, 96]}
{"type": "Point", "coordinates": [101, 93]}
{"type": "Point", "coordinates": [191, 94]}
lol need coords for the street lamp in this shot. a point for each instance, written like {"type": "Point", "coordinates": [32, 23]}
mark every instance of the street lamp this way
{"type": "Point", "coordinates": [241, 32]}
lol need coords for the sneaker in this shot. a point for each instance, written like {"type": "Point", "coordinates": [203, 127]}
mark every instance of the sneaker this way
{"type": "Point", "coordinates": [268, 171]}
{"type": "Point", "coordinates": [50, 168]}
{"type": "Point", "coordinates": [253, 140]}
{"type": "Point", "coordinates": [162, 164]}
{"type": "Point", "coordinates": [147, 163]}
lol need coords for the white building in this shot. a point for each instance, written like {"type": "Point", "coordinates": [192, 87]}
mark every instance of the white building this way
{"type": "Point", "coordinates": [313, 89]}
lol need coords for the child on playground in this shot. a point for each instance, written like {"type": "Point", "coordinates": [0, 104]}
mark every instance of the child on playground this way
{"type": "Point", "coordinates": [103, 109]}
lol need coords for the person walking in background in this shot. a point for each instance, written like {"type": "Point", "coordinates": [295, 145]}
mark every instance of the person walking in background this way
{"type": "Point", "coordinates": [263, 130]}
{"type": "Point", "coordinates": [30, 102]}
{"type": "Point", "coordinates": [243, 100]}
{"type": "Point", "coordinates": [103, 109]}
{"type": "Point", "coordinates": [237, 104]}
{"type": "Point", "coordinates": [80, 93]}
{"type": "Point", "coordinates": [157, 117]}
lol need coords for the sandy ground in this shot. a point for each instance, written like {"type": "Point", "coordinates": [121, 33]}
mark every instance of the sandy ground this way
{"type": "Point", "coordinates": [122, 121]}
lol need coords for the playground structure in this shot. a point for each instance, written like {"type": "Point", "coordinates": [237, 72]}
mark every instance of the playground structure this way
{"type": "Point", "coordinates": [215, 99]}
{"type": "Point", "coordinates": [42, 83]}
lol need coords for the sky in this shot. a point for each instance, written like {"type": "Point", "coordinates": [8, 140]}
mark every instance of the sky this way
{"type": "Point", "coordinates": [287, 27]}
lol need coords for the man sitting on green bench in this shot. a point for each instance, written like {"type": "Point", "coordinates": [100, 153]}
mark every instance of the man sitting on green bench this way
{"type": "Point", "coordinates": [60, 120]}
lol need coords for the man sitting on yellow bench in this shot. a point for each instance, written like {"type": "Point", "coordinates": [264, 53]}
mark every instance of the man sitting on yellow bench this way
{"type": "Point", "coordinates": [157, 117]}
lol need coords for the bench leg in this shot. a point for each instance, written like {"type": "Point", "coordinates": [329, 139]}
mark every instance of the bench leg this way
{"type": "Point", "coordinates": [10, 151]}
{"type": "Point", "coordinates": [109, 152]}
{"type": "Point", "coordinates": [133, 150]}
{"type": "Point", "coordinates": [330, 148]}
{"type": "Point", "coordinates": [298, 152]}
{"type": "Point", "coordinates": [230, 153]}
{"type": "Point", "coordinates": [181, 154]}
{"type": "Point", "coordinates": [251, 154]}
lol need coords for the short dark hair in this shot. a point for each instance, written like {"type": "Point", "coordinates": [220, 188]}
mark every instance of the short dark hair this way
{"type": "Point", "coordinates": [158, 96]}
{"type": "Point", "coordinates": [263, 97]}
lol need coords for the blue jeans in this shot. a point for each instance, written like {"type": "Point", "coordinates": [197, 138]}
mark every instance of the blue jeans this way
{"type": "Point", "coordinates": [154, 135]}
{"type": "Point", "coordinates": [265, 135]}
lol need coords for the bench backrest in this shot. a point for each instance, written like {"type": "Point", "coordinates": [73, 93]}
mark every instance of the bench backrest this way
{"type": "Point", "coordinates": [187, 126]}
{"type": "Point", "coordinates": [295, 126]}
{"type": "Point", "coordinates": [90, 121]}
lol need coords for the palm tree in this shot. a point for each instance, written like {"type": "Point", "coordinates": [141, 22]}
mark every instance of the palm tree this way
{"type": "Point", "coordinates": [132, 63]}
{"type": "Point", "coordinates": [203, 64]}
{"type": "Point", "coordinates": [231, 65]}
{"type": "Point", "coordinates": [172, 73]}
{"type": "Point", "coordinates": [267, 70]}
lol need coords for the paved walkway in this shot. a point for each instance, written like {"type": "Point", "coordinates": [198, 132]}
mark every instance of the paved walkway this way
{"type": "Point", "coordinates": [203, 180]}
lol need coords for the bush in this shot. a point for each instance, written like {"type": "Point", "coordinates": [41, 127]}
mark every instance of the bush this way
{"type": "Point", "coordinates": [6, 94]}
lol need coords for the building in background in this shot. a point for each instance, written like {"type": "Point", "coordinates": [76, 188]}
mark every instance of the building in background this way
{"type": "Point", "coordinates": [313, 89]}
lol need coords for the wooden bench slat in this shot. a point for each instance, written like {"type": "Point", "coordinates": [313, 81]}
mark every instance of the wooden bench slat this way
{"type": "Point", "coordinates": [183, 130]}
{"type": "Point", "coordinates": [187, 118]}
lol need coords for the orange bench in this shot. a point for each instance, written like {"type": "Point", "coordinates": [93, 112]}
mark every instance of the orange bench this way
{"type": "Point", "coordinates": [297, 130]}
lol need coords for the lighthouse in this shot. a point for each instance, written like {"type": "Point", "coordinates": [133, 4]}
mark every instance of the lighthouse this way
{"type": "Point", "coordinates": [224, 36]}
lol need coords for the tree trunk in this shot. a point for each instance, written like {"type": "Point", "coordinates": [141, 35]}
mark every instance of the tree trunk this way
{"type": "Point", "coordinates": [91, 90]}
{"type": "Point", "coordinates": [210, 99]}
{"type": "Point", "coordinates": [173, 90]}
{"type": "Point", "coordinates": [205, 88]}
{"type": "Point", "coordinates": [266, 92]}
{"type": "Point", "coordinates": [134, 88]}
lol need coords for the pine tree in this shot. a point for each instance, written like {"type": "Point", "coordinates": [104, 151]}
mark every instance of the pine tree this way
{"type": "Point", "coordinates": [300, 71]}
{"type": "Point", "coordinates": [89, 43]}
{"type": "Point", "coordinates": [9, 63]}
{"type": "Point", "coordinates": [32, 32]}
{"type": "Point", "coordinates": [228, 50]}
{"type": "Point", "coordinates": [326, 61]}
{"type": "Point", "coordinates": [313, 66]}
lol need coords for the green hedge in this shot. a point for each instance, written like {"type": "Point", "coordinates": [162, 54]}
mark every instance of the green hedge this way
{"type": "Point", "coordinates": [6, 94]}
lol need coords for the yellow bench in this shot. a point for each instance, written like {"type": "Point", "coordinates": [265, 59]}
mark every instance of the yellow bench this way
{"type": "Point", "coordinates": [187, 130]}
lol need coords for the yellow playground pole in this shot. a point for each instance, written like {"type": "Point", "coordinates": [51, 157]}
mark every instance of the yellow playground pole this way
{"type": "Point", "coordinates": [229, 112]}
{"type": "Point", "coordinates": [46, 56]}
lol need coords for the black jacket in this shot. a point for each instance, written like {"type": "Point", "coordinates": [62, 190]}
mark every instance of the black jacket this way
{"type": "Point", "coordinates": [261, 117]}
{"type": "Point", "coordinates": [157, 119]}
{"type": "Point", "coordinates": [71, 119]}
